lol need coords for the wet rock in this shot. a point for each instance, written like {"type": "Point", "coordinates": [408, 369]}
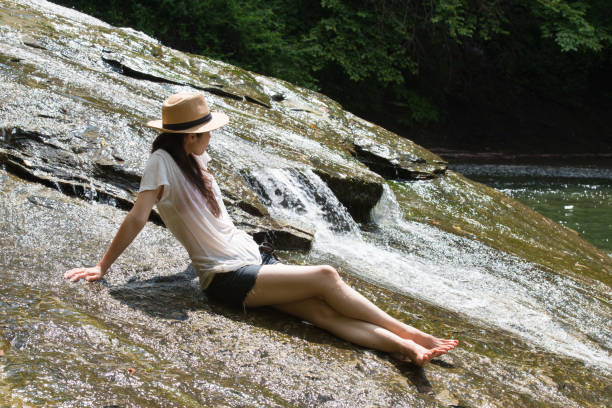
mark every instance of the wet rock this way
{"type": "Point", "coordinates": [322, 399]}
{"type": "Point", "coordinates": [42, 201]}
{"type": "Point", "coordinates": [71, 118]}
{"type": "Point", "coordinates": [44, 158]}
{"type": "Point", "coordinates": [179, 343]}
{"type": "Point", "coordinates": [358, 195]}
{"type": "Point", "coordinates": [31, 42]}
{"type": "Point", "coordinates": [284, 236]}
{"type": "Point", "coordinates": [114, 173]}
{"type": "Point", "coordinates": [152, 71]}
{"type": "Point", "coordinates": [121, 68]}
{"type": "Point", "coordinates": [448, 399]}
{"type": "Point", "coordinates": [466, 208]}
{"type": "Point", "coordinates": [408, 167]}
{"type": "Point", "coordinates": [392, 162]}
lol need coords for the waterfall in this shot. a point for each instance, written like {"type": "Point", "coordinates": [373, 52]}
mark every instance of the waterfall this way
{"type": "Point", "coordinates": [492, 287]}
{"type": "Point", "coordinates": [304, 197]}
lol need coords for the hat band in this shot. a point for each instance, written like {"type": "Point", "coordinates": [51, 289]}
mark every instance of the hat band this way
{"type": "Point", "coordinates": [187, 125]}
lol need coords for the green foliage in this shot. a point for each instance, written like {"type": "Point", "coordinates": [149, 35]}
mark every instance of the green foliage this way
{"type": "Point", "coordinates": [465, 18]}
{"type": "Point", "coordinates": [400, 60]}
{"type": "Point", "coordinates": [352, 37]}
{"type": "Point", "coordinates": [567, 23]}
{"type": "Point", "coordinates": [421, 109]}
{"type": "Point", "coordinates": [453, 14]}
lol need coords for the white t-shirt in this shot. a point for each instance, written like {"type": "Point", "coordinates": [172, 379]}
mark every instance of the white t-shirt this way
{"type": "Point", "coordinates": [214, 244]}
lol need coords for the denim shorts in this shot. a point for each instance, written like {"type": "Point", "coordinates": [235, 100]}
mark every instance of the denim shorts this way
{"type": "Point", "coordinates": [233, 287]}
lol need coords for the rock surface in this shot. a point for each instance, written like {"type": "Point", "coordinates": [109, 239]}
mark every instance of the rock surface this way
{"type": "Point", "coordinates": [75, 93]}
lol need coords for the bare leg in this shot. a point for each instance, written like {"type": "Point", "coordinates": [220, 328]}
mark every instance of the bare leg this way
{"type": "Point", "coordinates": [282, 284]}
{"type": "Point", "coordinates": [359, 332]}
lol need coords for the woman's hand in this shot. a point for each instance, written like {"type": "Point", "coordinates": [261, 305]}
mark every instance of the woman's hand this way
{"type": "Point", "coordinates": [130, 227]}
{"type": "Point", "coordinates": [90, 274]}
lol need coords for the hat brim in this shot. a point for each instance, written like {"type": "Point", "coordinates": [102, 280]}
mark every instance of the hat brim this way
{"type": "Point", "coordinates": [219, 119]}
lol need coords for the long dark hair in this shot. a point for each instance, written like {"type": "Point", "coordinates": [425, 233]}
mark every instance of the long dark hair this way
{"type": "Point", "coordinates": [173, 144]}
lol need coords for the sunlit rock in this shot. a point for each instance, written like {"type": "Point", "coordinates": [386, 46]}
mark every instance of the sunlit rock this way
{"type": "Point", "coordinates": [528, 299]}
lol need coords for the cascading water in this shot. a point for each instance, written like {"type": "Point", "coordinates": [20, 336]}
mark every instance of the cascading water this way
{"type": "Point", "coordinates": [550, 311]}
{"type": "Point", "coordinates": [147, 336]}
{"type": "Point", "coordinates": [303, 195]}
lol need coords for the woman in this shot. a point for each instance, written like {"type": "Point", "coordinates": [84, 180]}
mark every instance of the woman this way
{"type": "Point", "coordinates": [228, 261]}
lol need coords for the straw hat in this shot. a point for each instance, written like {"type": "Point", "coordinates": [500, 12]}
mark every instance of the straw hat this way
{"type": "Point", "coordinates": [188, 112]}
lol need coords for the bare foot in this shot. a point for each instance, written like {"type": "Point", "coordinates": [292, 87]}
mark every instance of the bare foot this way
{"type": "Point", "coordinates": [420, 355]}
{"type": "Point", "coordinates": [436, 342]}
{"type": "Point", "coordinates": [428, 341]}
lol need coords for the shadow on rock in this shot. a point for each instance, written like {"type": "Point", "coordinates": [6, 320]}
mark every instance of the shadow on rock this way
{"type": "Point", "coordinates": [416, 375]}
{"type": "Point", "coordinates": [166, 297]}
{"type": "Point", "coordinates": [173, 296]}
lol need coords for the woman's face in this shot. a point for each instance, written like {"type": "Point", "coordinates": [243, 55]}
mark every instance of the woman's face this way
{"type": "Point", "coordinates": [197, 143]}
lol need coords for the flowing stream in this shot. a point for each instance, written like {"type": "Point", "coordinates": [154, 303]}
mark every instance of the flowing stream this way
{"type": "Point", "coordinates": [75, 93]}
{"type": "Point", "coordinates": [550, 311]}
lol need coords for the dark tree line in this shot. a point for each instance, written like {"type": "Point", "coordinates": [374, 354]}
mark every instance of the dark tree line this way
{"type": "Point", "coordinates": [455, 72]}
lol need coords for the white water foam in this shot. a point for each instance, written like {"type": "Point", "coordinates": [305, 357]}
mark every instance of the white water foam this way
{"type": "Point", "coordinates": [550, 311]}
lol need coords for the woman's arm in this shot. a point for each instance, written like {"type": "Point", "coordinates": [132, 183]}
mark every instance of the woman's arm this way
{"type": "Point", "coordinates": [131, 226]}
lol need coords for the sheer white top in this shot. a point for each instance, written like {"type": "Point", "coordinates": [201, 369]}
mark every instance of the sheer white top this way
{"type": "Point", "coordinates": [214, 244]}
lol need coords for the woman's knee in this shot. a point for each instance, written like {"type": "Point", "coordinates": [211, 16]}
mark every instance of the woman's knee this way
{"type": "Point", "coordinates": [329, 274]}
{"type": "Point", "coordinates": [329, 281]}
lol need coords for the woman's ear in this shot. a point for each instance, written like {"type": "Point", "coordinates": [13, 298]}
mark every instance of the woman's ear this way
{"type": "Point", "coordinates": [191, 138]}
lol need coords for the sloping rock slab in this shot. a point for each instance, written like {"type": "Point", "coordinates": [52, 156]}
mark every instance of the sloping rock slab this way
{"type": "Point", "coordinates": [467, 208]}
{"type": "Point", "coordinates": [394, 165]}
{"type": "Point", "coordinates": [137, 68]}
{"type": "Point", "coordinates": [382, 151]}
{"type": "Point", "coordinates": [147, 336]}
{"type": "Point", "coordinates": [47, 160]}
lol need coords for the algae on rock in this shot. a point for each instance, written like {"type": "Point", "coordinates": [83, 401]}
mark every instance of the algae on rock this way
{"type": "Point", "coordinates": [75, 95]}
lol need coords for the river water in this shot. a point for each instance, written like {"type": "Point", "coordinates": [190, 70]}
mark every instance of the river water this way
{"type": "Point", "coordinates": [147, 336]}
{"type": "Point", "coordinates": [548, 310]}
{"type": "Point", "coordinates": [578, 197]}
{"type": "Point", "coordinates": [156, 329]}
